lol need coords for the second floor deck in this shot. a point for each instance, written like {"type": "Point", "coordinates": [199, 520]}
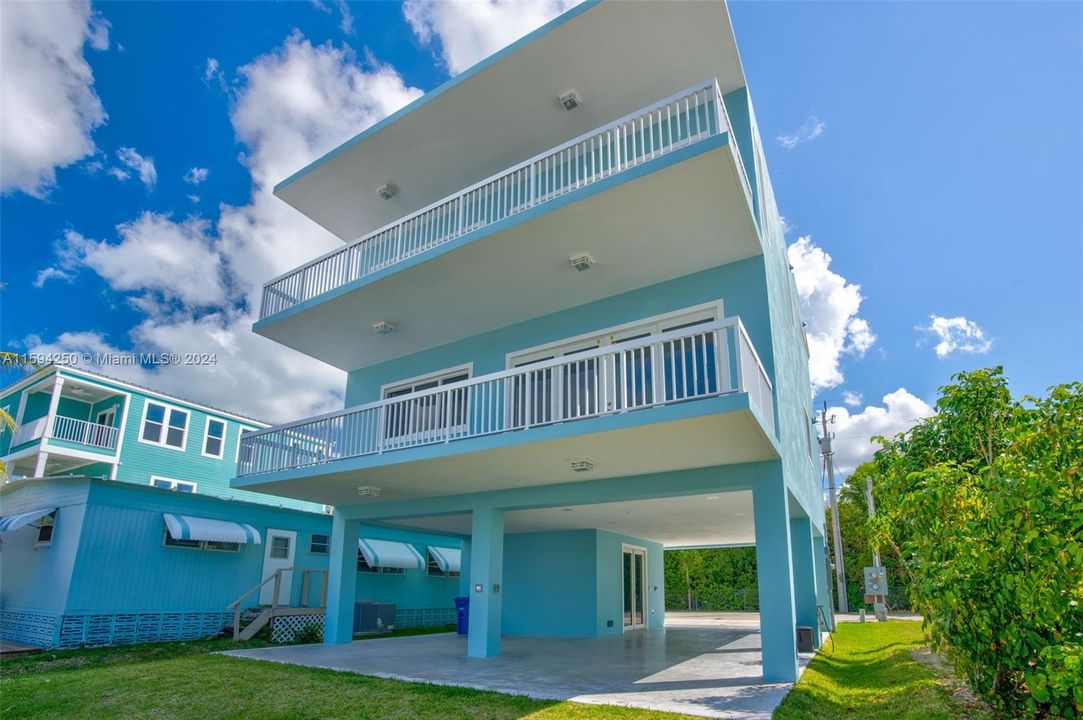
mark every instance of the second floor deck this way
{"type": "Point", "coordinates": [530, 403]}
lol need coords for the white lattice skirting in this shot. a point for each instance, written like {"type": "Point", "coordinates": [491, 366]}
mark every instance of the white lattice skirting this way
{"type": "Point", "coordinates": [284, 628]}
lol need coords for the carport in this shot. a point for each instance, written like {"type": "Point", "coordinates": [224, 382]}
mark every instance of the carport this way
{"type": "Point", "coordinates": [700, 665]}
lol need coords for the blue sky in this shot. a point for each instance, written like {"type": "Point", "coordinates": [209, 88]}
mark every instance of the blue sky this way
{"type": "Point", "coordinates": [932, 150]}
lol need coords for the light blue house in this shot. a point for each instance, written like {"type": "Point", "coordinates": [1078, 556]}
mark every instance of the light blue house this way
{"type": "Point", "coordinates": [571, 333]}
{"type": "Point", "coordinates": [120, 526]}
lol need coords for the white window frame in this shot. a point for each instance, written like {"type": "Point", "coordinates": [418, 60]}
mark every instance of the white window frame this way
{"type": "Point", "coordinates": [206, 434]}
{"type": "Point", "coordinates": [165, 425]}
{"type": "Point", "coordinates": [241, 429]}
{"type": "Point", "coordinates": [311, 542]}
{"type": "Point", "coordinates": [173, 483]}
{"type": "Point", "coordinates": [410, 438]}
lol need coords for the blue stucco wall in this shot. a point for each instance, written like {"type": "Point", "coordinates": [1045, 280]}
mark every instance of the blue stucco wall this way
{"type": "Point", "coordinates": [549, 584]}
{"type": "Point", "coordinates": [610, 583]}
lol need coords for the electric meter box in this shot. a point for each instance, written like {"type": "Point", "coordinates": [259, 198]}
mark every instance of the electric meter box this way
{"type": "Point", "coordinates": [875, 581]}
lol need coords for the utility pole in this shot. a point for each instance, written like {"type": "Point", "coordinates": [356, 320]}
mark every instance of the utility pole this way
{"type": "Point", "coordinates": [836, 534]}
{"type": "Point", "coordinates": [872, 513]}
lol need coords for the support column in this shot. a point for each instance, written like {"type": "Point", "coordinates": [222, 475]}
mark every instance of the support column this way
{"type": "Point", "coordinates": [819, 567]}
{"type": "Point", "coordinates": [486, 578]}
{"type": "Point", "coordinates": [804, 575]}
{"type": "Point", "coordinates": [341, 581]}
{"type": "Point", "coordinates": [774, 571]}
{"type": "Point", "coordinates": [47, 431]}
{"type": "Point", "coordinates": [464, 569]}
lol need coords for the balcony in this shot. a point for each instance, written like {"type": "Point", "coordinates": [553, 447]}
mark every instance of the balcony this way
{"type": "Point", "coordinates": [598, 192]}
{"type": "Point", "coordinates": [96, 437]}
{"type": "Point", "coordinates": [645, 135]}
{"type": "Point", "coordinates": [543, 401]}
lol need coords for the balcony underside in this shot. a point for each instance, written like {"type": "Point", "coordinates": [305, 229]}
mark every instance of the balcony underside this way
{"type": "Point", "coordinates": [618, 56]}
{"type": "Point", "coordinates": [675, 216]}
{"type": "Point", "coordinates": [698, 433]}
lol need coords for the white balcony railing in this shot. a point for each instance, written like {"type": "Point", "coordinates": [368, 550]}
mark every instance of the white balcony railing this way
{"type": "Point", "coordinates": [70, 429]}
{"type": "Point", "coordinates": [651, 132]}
{"type": "Point", "coordinates": [687, 364]}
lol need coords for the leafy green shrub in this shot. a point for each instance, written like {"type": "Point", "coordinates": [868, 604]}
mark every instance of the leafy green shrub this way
{"type": "Point", "coordinates": [312, 632]}
{"type": "Point", "coordinates": [983, 505]}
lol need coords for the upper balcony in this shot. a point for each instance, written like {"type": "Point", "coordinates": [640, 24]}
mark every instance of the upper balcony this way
{"type": "Point", "coordinates": [693, 397]}
{"type": "Point", "coordinates": [676, 200]}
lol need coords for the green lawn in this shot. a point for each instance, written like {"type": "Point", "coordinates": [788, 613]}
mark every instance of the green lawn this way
{"type": "Point", "coordinates": [871, 675]}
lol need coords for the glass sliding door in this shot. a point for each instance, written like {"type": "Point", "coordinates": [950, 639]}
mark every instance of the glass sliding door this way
{"type": "Point", "coordinates": [634, 572]}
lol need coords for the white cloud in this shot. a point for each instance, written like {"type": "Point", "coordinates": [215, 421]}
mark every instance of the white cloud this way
{"type": "Point", "coordinates": [852, 399]}
{"type": "Point", "coordinates": [830, 306]}
{"type": "Point", "coordinates": [813, 128]}
{"type": "Point", "coordinates": [346, 24]}
{"type": "Point", "coordinates": [194, 198]}
{"type": "Point", "coordinates": [290, 106]}
{"type": "Point", "coordinates": [854, 432]}
{"type": "Point", "coordinates": [142, 166]}
{"type": "Point", "coordinates": [119, 174]}
{"type": "Point", "coordinates": [470, 30]}
{"type": "Point", "coordinates": [957, 334]}
{"type": "Point", "coordinates": [51, 273]}
{"type": "Point", "coordinates": [50, 107]}
{"type": "Point", "coordinates": [196, 175]}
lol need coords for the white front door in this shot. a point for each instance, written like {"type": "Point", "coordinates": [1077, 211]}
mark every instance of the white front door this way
{"type": "Point", "coordinates": [280, 550]}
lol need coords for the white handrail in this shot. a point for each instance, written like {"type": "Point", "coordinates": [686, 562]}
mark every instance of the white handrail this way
{"type": "Point", "coordinates": [84, 432]}
{"type": "Point", "coordinates": [690, 363]}
{"type": "Point", "coordinates": [680, 120]}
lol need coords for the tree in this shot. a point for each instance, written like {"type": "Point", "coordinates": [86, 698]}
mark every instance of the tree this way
{"type": "Point", "coordinates": [982, 505]}
{"type": "Point", "coordinates": [20, 364]}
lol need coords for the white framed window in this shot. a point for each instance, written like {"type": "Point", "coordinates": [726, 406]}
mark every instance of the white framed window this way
{"type": "Point", "coordinates": [363, 566]}
{"type": "Point", "coordinates": [319, 544]}
{"type": "Point", "coordinates": [689, 368]}
{"type": "Point", "coordinates": [214, 438]}
{"type": "Point", "coordinates": [165, 483]}
{"type": "Point", "coordinates": [432, 569]}
{"type": "Point", "coordinates": [431, 415]}
{"type": "Point", "coordinates": [164, 425]}
{"type": "Point", "coordinates": [46, 527]}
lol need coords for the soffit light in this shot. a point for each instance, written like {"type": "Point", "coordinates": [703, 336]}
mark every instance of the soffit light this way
{"type": "Point", "coordinates": [584, 465]}
{"type": "Point", "coordinates": [386, 191]}
{"type": "Point", "coordinates": [582, 261]}
{"type": "Point", "coordinates": [570, 100]}
{"type": "Point", "coordinates": [383, 327]}
{"type": "Point", "coordinates": [368, 491]}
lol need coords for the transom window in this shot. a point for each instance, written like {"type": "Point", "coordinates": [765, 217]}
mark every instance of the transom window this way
{"type": "Point", "coordinates": [214, 439]}
{"type": "Point", "coordinates": [363, 566]}
{"type": "Point", "coordinates": [166, 426]}
{"type": "Point", "coordinates": [319, 544]}
{"type": "Point", "coordinates": [175, 485]}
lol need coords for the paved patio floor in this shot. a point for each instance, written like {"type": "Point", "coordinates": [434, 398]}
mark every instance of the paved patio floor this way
{"type": "Point", "coordinates": [706, 665]}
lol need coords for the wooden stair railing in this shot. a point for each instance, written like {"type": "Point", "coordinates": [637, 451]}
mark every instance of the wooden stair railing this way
{"type": "Point", "coordinates": [275, 610]}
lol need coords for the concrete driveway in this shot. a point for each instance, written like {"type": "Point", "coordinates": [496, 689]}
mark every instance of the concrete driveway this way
{"type": "Point", "coordinates": [706, 665]}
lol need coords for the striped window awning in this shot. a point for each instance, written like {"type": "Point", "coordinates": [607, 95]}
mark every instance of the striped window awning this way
{"type": "Point", "coordinates": [187, 527]}
{"type": "Point", "coordinates": [448, 559]}
{"type": "Point", "coordinates": [14, 522]}
{"type": "Point", "coordinates": [388, 554]}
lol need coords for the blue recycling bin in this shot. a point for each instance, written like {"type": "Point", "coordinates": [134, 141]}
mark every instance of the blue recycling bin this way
{"type": "Point", "coordinates": [462, 615]}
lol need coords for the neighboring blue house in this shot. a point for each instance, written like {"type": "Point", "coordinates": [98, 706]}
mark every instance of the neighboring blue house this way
{"type": "Point", "coordinates": [141, 538]}
{"type": "Point", "coordinates": [571, 333]}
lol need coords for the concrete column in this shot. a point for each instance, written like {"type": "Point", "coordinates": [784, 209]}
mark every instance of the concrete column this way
{"type": "Point", "coordinates": [486, 578]}
{"type": "Point", "coordinates": [464, 570]}
{"type": "Point", "coordinates": [804, 575]}
{"type": "Point", "coordinates": [342, 580]}
{"type": "Point", "coordinates": [774, 572]}
{"type": "Point", "coordinates": [823, 590]}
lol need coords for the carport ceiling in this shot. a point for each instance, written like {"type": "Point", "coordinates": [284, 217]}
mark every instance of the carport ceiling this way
{"type": "Point", "coordinates": [715, 519]}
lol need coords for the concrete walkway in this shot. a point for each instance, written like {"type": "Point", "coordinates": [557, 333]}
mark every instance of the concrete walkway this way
{"type": "Point", "coordinates": [700, 665]}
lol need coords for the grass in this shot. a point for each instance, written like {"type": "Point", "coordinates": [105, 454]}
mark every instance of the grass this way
{"type": "Point", "coordinates": [872, 675]}
{"type": "Point", "coordinates": [869, 675]}
{"type": "Point", "coordinates": [183, 680]}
